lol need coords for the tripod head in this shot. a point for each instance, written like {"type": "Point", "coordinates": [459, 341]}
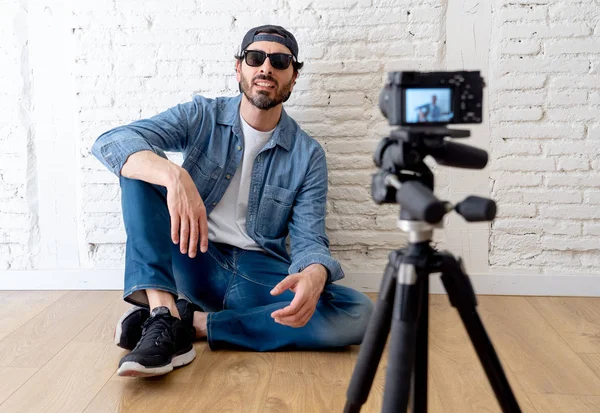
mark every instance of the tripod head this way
{"type": "Point", "coordinates": [403, 177]}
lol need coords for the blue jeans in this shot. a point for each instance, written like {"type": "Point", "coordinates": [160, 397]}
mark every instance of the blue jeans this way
{"type": "Point", "coordinates": [231, 284]}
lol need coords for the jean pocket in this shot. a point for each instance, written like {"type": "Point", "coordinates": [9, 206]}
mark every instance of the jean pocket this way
{"type": "Point", "coordinates": [275, 209]}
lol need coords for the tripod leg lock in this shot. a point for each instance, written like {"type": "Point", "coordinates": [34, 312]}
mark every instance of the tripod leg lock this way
{"type": "Point", "coordinates": [457, 283]}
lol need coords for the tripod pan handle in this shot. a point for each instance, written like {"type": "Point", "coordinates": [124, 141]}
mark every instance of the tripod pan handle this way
{"type": "Point", "coordinates": [420, 202]}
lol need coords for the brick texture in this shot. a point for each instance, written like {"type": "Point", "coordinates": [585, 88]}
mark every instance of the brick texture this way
{"type": "Point", "coordinates": [131, 60]}
{"type": "Point", "coordinates": [544, 154]}
{"type": "Point", "coordinates": [16, 221]}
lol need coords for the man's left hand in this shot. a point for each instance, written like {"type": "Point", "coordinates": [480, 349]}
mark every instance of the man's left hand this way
{"type": "Point", "coordinates": [307, 286]}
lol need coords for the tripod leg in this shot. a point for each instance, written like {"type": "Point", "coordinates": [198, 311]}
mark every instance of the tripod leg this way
{"type": "Point", "coordinates": [419, 384]}
{"type": "Point", "coordinates": [374, 339]}
{"type": "Point", "coordinates": [462, 297]}
{"type": "Point", "coordinates": [403, 339]}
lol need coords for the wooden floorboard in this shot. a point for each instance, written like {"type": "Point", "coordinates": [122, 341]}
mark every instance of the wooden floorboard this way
{"type": "Point", "coordinates": [57, 355]}
{"type": "Point", "coordinates": [41, 338]}
{"type": "Point", "coordinates": [592, 361]}
{"type": "Point", "coordinates": [157, 394]}
{"type": "Point", "coordinates": [308, 381]}
{"type": "Point", "coordinates": [575, 319]}
{"type": "Point", "coordinates": [539, 357]}
{"type": "Point", "coordinates": [102, 328]}
{"type": "Point", "coordinates": [228, 381]}
{"type": "Point", "coordinates": [562, 403]}
{"type": "Point", "coordinates": [20, 307]}
{"type": "Point", "coordinates": [455, 369]}
{"type": "Point", "coordinates": [4, 294]}
{"type": "Point", "coordinates": [12, 379]}
{"type": "Point", "coordinates": [68, 382]}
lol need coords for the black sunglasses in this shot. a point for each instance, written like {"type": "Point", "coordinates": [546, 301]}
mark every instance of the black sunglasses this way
{"type": "Point", "coordinates": [279, 61]}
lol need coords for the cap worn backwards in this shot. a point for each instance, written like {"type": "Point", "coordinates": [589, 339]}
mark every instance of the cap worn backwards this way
{"type": "Point", "coordinates": [279, 35]}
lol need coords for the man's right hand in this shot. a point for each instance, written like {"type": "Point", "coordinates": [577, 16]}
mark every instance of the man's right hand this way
{"type": "Point", "coordinates": [188, 214]}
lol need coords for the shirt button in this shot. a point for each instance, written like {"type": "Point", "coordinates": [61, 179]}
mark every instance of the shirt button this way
{"type": "Point", "coordinates": [214, 203]}
{"type": "Point", "coordinates": [239, 148]}
{"type": "Point", "coordinates": [228, 176]}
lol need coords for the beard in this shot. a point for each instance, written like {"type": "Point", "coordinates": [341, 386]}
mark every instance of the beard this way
{"type": "Point", "coordinates": [261, 98]}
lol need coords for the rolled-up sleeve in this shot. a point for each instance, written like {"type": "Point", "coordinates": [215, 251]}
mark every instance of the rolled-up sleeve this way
{"type": "Point", "coordinates": [309, 243]}
{"type": "Point", "coordinates": [167, 131]}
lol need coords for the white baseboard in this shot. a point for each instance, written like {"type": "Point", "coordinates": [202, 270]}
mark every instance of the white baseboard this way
{"type": "Point", "coordinates": [494, 284]}
{"type": "Point", "coordinates": [62, 280]}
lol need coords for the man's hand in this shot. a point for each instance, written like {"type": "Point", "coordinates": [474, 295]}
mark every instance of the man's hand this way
{"type": "Point", "coordinates": [307, 287]}
{"type": "Point", "coordinates": [188, 215]}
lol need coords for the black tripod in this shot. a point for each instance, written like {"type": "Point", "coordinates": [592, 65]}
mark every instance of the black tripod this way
{"type": "Point", "coordinates": [403, 300]}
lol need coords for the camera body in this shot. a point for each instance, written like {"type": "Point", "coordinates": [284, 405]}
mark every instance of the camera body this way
{"type": "Point", "coordinates": [432, 98]}
{"type": "Point", "coordinates": [422, 104]}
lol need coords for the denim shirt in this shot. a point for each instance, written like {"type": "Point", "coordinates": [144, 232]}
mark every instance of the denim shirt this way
{"type": "Point", "coordinates": [288, 188]}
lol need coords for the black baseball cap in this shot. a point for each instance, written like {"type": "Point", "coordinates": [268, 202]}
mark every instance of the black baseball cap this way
{"type": "Point", "coordinates": [285, 38]}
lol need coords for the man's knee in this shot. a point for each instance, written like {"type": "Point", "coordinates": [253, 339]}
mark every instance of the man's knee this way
{"type": "Point", "coordinates": [354, 313]}
{"type": "Point", "coordinates": [139, 188]}
{"type": "Point", "coordinates": [366, 311]}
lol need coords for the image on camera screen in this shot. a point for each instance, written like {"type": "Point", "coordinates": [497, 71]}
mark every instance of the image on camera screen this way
{"type": "Point", "coordinates": [428, 105]}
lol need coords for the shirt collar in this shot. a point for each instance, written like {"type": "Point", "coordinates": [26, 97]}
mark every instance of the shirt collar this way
{"type": "Point", "coordinates": [228, 113]}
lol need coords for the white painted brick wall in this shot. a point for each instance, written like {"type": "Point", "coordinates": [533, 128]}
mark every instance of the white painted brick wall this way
{"type": "Point", "coordinates": [542, 135]}
{"type": "Point", "coordinates": [15, 106]}
{"type": "Point", "coordinates": [145, 64]}
{"type": "Point", "coordinates": [133, 59]}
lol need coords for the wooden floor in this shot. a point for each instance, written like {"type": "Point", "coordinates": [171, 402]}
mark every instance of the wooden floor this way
{"type": "Point", "coordinates": [57, 355]}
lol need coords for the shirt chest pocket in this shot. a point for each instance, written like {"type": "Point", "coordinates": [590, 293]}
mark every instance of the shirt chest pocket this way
{"type": "Point", "coordinates": [274, 211]}
{"type": "Point", "coordinates": [203, 171]}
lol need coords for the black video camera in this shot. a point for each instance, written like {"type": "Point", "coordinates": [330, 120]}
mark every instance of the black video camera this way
{"type": "Point", "coordinates": [422, 104]}
{"type": "Point", "coordinates": [432, 98]}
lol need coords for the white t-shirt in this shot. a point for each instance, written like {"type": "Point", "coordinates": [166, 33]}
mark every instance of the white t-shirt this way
{"type": "Point", "coordinates": [227, 221]}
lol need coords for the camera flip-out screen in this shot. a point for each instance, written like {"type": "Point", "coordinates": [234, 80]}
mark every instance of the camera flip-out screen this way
{"type": "Point", "coordinates": [427, 105]}
{"type": "Point", "coordinates": [423, 99]}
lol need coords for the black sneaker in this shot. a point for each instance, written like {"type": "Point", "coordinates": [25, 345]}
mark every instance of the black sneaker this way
{"type": "Point", "coordinates": [129, 327]}
{"type": "Point", "coordinates": [186, 311]}
{"type": "Point", "coordinates": [166, 343]}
